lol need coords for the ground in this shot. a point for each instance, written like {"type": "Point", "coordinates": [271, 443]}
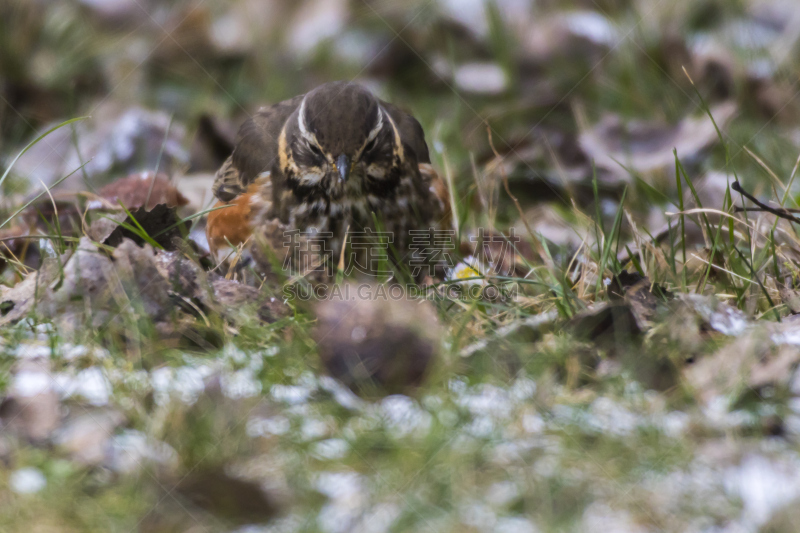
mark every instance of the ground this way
{"type": "Point", "coordinates": [637, 373]}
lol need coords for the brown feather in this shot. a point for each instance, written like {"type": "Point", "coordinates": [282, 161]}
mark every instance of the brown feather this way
{"type": "Point", "coordinates": [295, 180]}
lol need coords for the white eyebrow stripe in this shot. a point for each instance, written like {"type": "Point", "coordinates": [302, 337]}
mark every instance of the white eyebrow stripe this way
{"type": "Point", "coordinates": [301, 123]}
{"type": "Point", "coordinates": [301, 120]}
{"type": "Point", "coordinates": [376, 130]}
{"type": "Point", "coordinates": [397, 138]}
{"type": "Point", "coordinates": [378, 126]}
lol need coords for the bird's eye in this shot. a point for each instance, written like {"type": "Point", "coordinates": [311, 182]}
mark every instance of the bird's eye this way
{"type": "Point", "coordinates": [370, 146]}
{"type": "Point", "coordinates": [316, 151]}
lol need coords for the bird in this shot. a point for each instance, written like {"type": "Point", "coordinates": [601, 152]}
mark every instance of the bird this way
{"type": "Point", "coordinates": [331, 162]}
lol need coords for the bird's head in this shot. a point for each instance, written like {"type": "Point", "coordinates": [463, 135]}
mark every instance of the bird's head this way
{"type": "Point", "coordinates": [340, 141]}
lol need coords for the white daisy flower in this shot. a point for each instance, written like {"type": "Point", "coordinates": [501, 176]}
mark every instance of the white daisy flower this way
{"type": "Point", "coordinates": [468, 270]}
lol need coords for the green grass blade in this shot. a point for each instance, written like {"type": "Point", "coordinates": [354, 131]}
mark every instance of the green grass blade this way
{"type": "Point", "coordinates": [28, 204]}
{"type": "Point", "coordinates": [36, 140]}
{"type": "Point", "coordinates": [136, 231]}
{"type": "Point", "coordinates": [679, 184]}
{"type": "Point", "coordinates": [141, 231]}
{"type": "Point", "coordinates": [608, 242]}
{"type": "Point", "coordinates": [191, 217]}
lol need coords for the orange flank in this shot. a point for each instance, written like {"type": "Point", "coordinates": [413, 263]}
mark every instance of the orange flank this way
{"type": "Point", "coordinates": [233, 224]}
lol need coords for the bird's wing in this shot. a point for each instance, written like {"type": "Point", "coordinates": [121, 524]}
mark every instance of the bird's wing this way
{"type": "Point", "coordinates": [256, 150]}
{"type": "Point", "coordinates": [411, 132]}
{"type": "Point", "coordinates": [227, 183]}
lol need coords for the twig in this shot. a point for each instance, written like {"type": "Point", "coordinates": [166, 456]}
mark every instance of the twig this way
{"type": "Point", "coordinates": [158, 163]}
{"type": "Point", "coordinates": [755, 276]}
{"type": "Point", "coordinates": [536, 241]}
{"type": "Point", "coordinates": [761, 210]}
{"type": "Point", "coordinates": [9, 239]}
{"type": "Point", "coordinates": [782, 213]}
{"type": "Point", "coordinates": [658, 238]}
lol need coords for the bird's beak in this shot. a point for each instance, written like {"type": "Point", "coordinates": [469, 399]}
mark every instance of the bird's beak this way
{"type": "Point", "coordinates": [343, 166]}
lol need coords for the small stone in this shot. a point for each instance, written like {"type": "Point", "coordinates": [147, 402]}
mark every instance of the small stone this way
{"type": "Point", "coordinates": [85, 438]}
{"type": "Point", "coordinates": [27, 481]}
{"type": "Point", "coordinates": [377, 344]}
{"type": "Point", "coordinates": [31, 408]}
{"type": "Point", "coordinates": [131, 451]}
{"type": "Point", "coordinates": [481, 78]}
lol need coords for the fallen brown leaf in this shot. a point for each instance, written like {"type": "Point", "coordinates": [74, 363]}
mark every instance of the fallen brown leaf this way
{"type": "Point", "coordinates": [645, 147]}
{"type": "Point", "coordinates": [153, 222]}
{"type": "Point", "coordinates": [144, 189]}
